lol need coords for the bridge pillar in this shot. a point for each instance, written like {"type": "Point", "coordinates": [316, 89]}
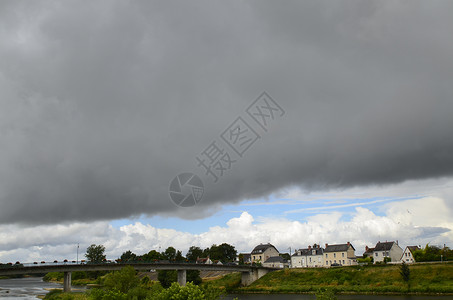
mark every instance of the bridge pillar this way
{"type": "Point", "coordinates": [67, 282]}
{"type": "Point", "coordinates": [182, 274]}
{"type": "Point", "coordinates": [252, 275]}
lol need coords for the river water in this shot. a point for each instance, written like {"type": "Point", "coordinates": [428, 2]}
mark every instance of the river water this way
{"type": "Point", "coordinates": [25, 288]}
{"type": "Point", "coordinates": [30, 288]}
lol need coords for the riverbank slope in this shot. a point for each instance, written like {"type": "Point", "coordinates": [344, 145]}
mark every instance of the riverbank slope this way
{"type": "Point", "coordinates": [424, 278]}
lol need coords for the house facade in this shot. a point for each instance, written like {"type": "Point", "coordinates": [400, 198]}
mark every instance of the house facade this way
{"type": "Point", "coordinates": [311, 257]}
{"type": "Point", "coordinates": [408, 254]}
{"type": "Point", "coordinates": [387, 249]}
{"type": "Point", "coordinates": [262, 252]}
{"type": "Point", "coordinates": [339, 255]}
{"type": "Point", "coordinates": [275, 262]}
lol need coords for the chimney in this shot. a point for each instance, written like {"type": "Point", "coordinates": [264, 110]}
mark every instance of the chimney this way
{"type": "Point", "coordinates": [366, 248]}
{"type": "Point", "coordinates": [397, 242]}
{"type": "Point", "coordinates": [327, 245]}
{"type": "Point", "coordinates": [349, 243]}
{"type": "Point", "coordinates": [309, 247]}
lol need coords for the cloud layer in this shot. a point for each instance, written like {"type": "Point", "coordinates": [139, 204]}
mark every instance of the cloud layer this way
{"type": "Point", "coordinates": [427, 221]}
{"type": "Point", "coordinates": [103, 103]}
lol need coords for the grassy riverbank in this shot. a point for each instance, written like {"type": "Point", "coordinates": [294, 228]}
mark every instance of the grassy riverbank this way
{"type": "Point", "coordinates": [424, 278]}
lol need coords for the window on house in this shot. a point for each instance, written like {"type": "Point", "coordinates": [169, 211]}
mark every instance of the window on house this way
{"type": "Point", "coordinates": [326, 255]}
{"type": "Point", "coordinates": [334, 255]}
{"type": "Point", "coordinates": [376, 254]}
{"type": "Point", "coordinates": [310, 259]}
{"type": "Point", "coordinates": [343, 261]}
{"type": "Point", "coordinates": [342, 254]}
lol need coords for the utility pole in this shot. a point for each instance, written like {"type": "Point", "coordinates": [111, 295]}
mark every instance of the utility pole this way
{"type": "Point", "coordinates": [289, 263]}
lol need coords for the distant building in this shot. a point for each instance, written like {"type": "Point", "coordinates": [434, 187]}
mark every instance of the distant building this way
{"type": "Point", "coordinates": [368, 252]}
{"type": "Point", "coordinates": [262, 252]}
{"type": "Point", "coordinates": [387, 249]}
{"type": "Point", "coordinates": [340, 254]}
{"type": "Point", "coordinates": [275, 262]}
{"type": "Point", "coordinates": [204, 261]}
{"type": "Point", "coordinates": [246, 257]}
{"type": "Point", "coordinates": [310, 257]}
{"type": "Point", "coordinates": [408, 254]}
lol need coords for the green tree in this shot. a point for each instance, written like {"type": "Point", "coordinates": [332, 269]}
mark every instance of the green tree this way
{"type": "Point", "coordinates": [224, 252]}
{"type": "Point", "coordinates": [194, 277]}
{"type": "Point", "coordinates": [193, 253]}
{"type": "Point", "coordinates": [123, 280]}
{"type": "Point", "coordinates": [169, 254]}
{"type": "Point", "coordinates": [175, 291]}
{"type": "Point", "coordinates": [152, 256]}
{"type": "Point", "coordinates": [95, 253]}
{"type": "Point", "coordinates": [167, 277]}
{"type": "Point", "coordinates": [179, 256]}
{"type": "Point", "coordinates": [128, 256]}
{"type": "Point", "coordinates": [405, 273]}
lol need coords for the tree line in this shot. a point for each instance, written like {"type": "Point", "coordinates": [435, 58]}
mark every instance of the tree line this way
{"type": "Point", "coordinates": [224, 253]}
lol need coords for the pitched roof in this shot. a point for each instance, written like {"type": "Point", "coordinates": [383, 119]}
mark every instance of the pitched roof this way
{"type": "Point", "coordinates": [338, 247]}
{"type": "Point", "coordinates": [308, 251]}
{"type": "Point", "coordinates": [262, 247]}
{"type": "Point", "coordinates": [274, 259]}
{"type": "Point", "coordinates": [413, 248]}
{"type": "Point", "coordinates": [383, 246]}
{"type": "Point", "coordinates": [369, 250]}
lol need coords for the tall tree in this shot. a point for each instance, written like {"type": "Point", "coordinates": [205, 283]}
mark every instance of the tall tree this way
{"type": "Point", "coordinates": [405, 273]}
{"type": "Point", "coordinates": [169, 253]}
{"type": "Point", "coordinates": [193, 253]}
{"type": "Point", "coordinates": [128, 256]}
{"type": "Point", "coordinates": [95, 253]}
{"type": "Point", "coordinates": [152, 256]}
{"type": "Point", "coordinates": [179, 256]}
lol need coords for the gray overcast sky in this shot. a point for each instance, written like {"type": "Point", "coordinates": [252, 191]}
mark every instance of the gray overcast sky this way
{"type": "Point", "coordinates": [102, 103]}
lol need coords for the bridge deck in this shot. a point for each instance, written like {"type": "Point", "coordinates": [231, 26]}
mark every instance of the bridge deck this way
{"type": "Point", "coordinates": [114, 266]}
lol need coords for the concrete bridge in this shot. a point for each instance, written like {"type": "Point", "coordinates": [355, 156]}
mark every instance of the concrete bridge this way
{"type": "Point", "coordinates": [249, 273]}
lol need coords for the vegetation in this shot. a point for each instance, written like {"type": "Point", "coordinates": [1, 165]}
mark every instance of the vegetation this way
{"type": "Point", "coordinates": [378, 279]}
{"type": "Point", "coordinates": [325, 294]}
{"type": "Point", "coordinates": [95, 253]}
{"type": "Point", "coordinates": [433, 253]}
{"type": "Point", "coordinates": [405, 272]}
{"type": "Point", "coordinates": [226, 284]}
{"type": "Point", "coordinates": [167, 277]}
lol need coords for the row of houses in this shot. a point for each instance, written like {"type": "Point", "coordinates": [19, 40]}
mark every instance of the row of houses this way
{"type": "Point", "coordinates": [331, 255]}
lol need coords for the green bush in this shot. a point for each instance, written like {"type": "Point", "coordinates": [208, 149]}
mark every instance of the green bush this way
{"type": "Point", "coordinates": [325, 294]}
{"type": "Point", "coordinates": [123, 280]}
{"type": "Point", "coordinates": [58, 295]}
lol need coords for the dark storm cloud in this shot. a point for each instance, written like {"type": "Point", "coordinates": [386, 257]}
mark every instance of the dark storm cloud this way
{"type": "Point", "coordinates": [103, 103]}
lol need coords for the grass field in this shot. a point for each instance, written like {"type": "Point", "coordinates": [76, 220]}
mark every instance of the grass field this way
{"type": "Point", "coordinates": [424, 278]}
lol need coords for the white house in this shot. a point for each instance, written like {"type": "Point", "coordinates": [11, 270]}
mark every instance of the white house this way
{"type": "Point", "coordinates": [408, 254]}
{"type": "Point", "coordinates": [340, 255]}
{"type": "Point", "coordinates": [387, 249]}
{"type": "Point", "coordinates": [310, 257]}
{"type": "Point", "coordinates": [262, 252]}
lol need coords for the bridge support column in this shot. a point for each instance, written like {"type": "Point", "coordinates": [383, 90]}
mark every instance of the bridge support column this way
{"type": "Point", "coordinates": [250, 276]}
{"type": "Point", "coordinates": [67, 282]}
{"type": "Point", "coordinates": [182, 274]}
